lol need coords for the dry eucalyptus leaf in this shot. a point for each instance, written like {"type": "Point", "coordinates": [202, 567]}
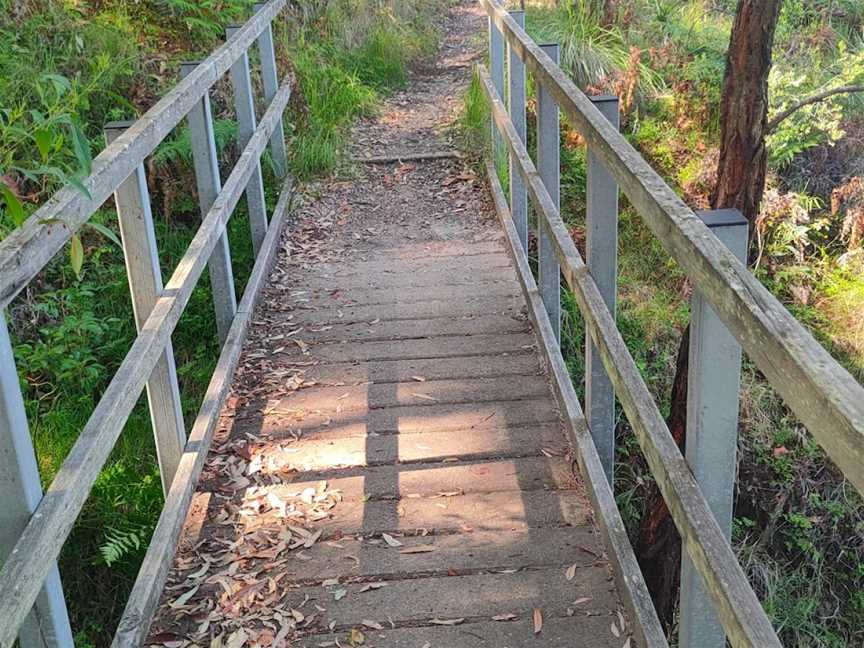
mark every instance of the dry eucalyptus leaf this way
{"type": "Point", "coordinates": [571, 572]}
{"type": "Point", "coordinates": [447, 622]}
{"type": "Point", "coordinates": [503, 617]}
{"type": "Point", "coordinates": [390, 540]}
{"type": "Point", "coordinates": [538, 621]}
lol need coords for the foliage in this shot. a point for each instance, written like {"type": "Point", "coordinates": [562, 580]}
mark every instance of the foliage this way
{"type": "Point", "coordinates": [817, 123]}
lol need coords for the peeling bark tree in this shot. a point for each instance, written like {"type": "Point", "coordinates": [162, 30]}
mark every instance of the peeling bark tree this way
{"type": "Point", "coordinates": [740, 183]}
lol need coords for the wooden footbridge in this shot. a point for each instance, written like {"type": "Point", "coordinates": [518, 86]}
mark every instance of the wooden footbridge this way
{"type": "Point", "coordinates": [391, 451]}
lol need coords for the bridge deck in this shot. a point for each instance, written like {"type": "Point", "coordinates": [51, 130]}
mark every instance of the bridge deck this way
{"type": "Point", "coordinates": [391, 462]}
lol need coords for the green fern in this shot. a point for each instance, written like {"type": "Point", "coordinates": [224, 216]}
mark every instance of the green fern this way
{"type": "Point", "coordinates": [120, 543]}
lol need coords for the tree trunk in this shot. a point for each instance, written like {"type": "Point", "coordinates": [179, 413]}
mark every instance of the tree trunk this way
{"type": "Point", "coordinates": [740, 183]}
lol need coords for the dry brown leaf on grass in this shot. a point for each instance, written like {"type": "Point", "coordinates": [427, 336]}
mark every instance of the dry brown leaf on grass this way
{"type": "Point", "coordinates": [538, 621]}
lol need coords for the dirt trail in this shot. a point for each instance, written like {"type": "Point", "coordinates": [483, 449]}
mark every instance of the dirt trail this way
{"type": "Point", "coordinates": [391, 468]}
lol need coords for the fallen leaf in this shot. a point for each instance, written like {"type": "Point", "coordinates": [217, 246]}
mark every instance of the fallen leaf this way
{"type": "Point", "coordinates": [390, 540]}
{"type": "Point", "coordinates": [503, 617]}
{"type": "Point", "coordinates": [571, 572]}
{"type": "Point", "coordinates": [237, 639]}
{"type": "Point", "coordinates": [417, 549]}
{"type": "Point", "coordinates": [372, 586]}
{"type": "Point", "coordinates": [372, 624]}
{"type": "Point", "coordinates": [184, 598]}
{"type": "Point", "coordinates": [356, 638]}
{"type": "Point", "coordinates": [615, 630]}
{"type": "Point", "coordinates": [447, 622]}
{"type": "Point", "coordinates": [538, 620]}
{"type": "Point", "coordinates": [418, 378]}
{"type": "Point", "coordinates": [339, 594]}
{"type": "Point", "coordinates": [579, 601]}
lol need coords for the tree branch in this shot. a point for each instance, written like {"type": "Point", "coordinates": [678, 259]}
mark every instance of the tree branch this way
{"type": "Point", "coordinates": [816, 98]}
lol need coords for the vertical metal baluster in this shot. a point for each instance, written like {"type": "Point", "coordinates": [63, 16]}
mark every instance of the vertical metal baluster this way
{"type": "Point", "coordinates": [244, 104]}
{"type": "Point", "coordinates": [516, 106]}
{"type": "Point", "coordinates": [713, 382]}
{"type": "Point", "coordinates": [601, 243]}
{"type": "Point", "coordinates": [270, 79]}
{"type": "Point", "coordinates": [47, 625]}
{"type": "Point", "coordinates": [549, 168]}
{"type": "Point", "coordinates": [496, 69]}
{"type": "Point", "coordinates": [209, 185]}
{"type": "Point", "coordinates": [145, 285]}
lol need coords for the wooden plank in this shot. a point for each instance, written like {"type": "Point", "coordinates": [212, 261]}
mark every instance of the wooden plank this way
{"type": "Point", "coordinates": [821, 393]}
{"type": "Point", "coordinates": [402, 295]}
{"type": "Point", "coordinates": [353, 313]}
{"type": "Point", "coordinates": [421, 600]}
{"type": "Point", "coordinates": [27, 249]}
{"type": "Point", "coordinates": [402, 370]}
{"type": "Point", "coordinates": [740, 611]}
{"type": "Point", "coordinates": [430, 480]}
{"type": "Point", "coordinates": [40, 543]}
{"type": "Point", "coordinates": [409, 419]}
{"type": "Point", "coordinates": [406, 329]}
{"type": "Point", "coordinates": [142, 601]}
{"type": "Point", "coordinates": [553, 547]}
{"type": "Point", "coordinates": [307, 455]}
{"type": "Point", "coordinates": [625, 567]}
{"type": "Point", "coordinates": [435, 393]}
{"type": "Point", "coordinates": [501, 512]}
{"type": "Point", "coordinates": [580, 631]}
{"type": "Point", "coordinates": [408, 349]}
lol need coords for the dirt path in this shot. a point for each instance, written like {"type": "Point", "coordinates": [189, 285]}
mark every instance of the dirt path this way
{"type": "Point", "coordinates": [391, 470]}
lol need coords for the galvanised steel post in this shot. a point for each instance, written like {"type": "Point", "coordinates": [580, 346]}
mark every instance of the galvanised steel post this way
{"type": "Point", "coordinates": [516, 106]}
{"type": "Point", "coordinates": [47, 625]}
{"type": "Point", "coordinates": [496, 70]}
{"type": "Point", "coordinates": [138, 236]}
{"type": "Point", "coordinates": [714, 379]}
{"type": "Point", "coordinates": [601, 243]}
{"type": "Point", "coordinates": [549, 167]}
{"type": "Point", "coordinates": [270, 80]}
{"type": "Point", "coordinates": [209, 184]}
{"type": "Point", "coordinates": [244, 105]}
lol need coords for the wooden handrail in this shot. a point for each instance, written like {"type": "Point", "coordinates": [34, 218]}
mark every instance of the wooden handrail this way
{"type": "Point", "coordinates": [738, 607]}
{"type": "Point", "coordinates": [821, 393]}
{"type": "Point", "coordinates": [27, 249]}
{"type": "Point", "coordinates": [39, 545]}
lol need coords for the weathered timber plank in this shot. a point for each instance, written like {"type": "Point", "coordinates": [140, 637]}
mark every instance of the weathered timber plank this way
{"type": "Point", "coordinates": [432, 308]}
{"type": "Point", "coordinates": [419, 600]}
{"type": "Point", "coordinates": [578, 631]}
{"type": "Point", "coordinates": [826, 397]}
{"type": "Point", "coordinates": [363, 398]}
{"type": "Point", "coordinates": [319, 454]}
{"type": "Point", "coordinates": [628, 576]}
{"type": "Point", "coordinates": [740, 611]}
{"type": "Point", "coordinates": [40, 543]}
{"type": "Point", "coordinates": [403, 419]}
{"type": "Point", "coordinates": [447, 347]}
{"type": "Point", "coordinates": [428, 266]}
{"type": "Point", "coordinates": [405, 329]}
{"type": "Point", "coordinates": [394, 371]}
{"type": "Point", "coordinates": [490, 550]}
{"type": "Point", "coordinates": [405, 296]}
{"type": "Point", "coordinates": [404, 274]}
{"type": "Point", "coordinates": [27, 249]}
{"type": "Point", "coordinates": [430, 480]}
{"type": "Point", "coordinates": [502, 512]}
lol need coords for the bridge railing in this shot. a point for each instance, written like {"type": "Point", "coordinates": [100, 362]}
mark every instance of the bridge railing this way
{"type": "Point", "coordinates": [35, 527]}
{"type": "Point", "coordinates": [824, 396]}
